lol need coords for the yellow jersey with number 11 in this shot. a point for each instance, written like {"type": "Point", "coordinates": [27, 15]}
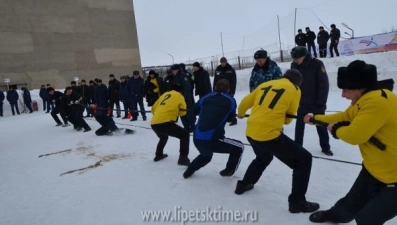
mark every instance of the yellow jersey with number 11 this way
{"type": "Point", "coordinates": [168, 107]}
{"type": "Point", "coordinates": [270, 102]}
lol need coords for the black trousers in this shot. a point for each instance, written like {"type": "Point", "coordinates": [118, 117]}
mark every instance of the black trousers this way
{"type": "Point", "coordinates": [56, 111]}
{"type": "Point", "coordinates": [334, 46]}
{"type": "Point", "coordinates": [111, 105]}
{"type": "Point", "coordinates": [76, 118]}
{"type": "Point", "coordinates": [323, 50]}
{"type": "Point", "coordinates": [1, 108]}
{"type": "Point", "coordinates": [291, 154]}
{"type": "Point", "coordinates": [29, 106]}
{"type": "Point", "coordinates": [14, 105]}
{"type": "Point", "coordinates": [164, 130]}
{"type": "Point", "coordinates": [134, 105]}
{"type": "Point", "coordinates": [226, 145]}
{"type": "Point", "coordinates": [127, 107]}
{"type": "Point", "coordinates": [369, 202]}
{"type": "Point", "coordinates": [310, 47]}
{"type": "Point", "coordinates": [321, 131]}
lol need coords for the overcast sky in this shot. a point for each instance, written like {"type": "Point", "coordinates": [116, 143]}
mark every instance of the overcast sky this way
{"type": "Point", "coordinates": [190, 29]}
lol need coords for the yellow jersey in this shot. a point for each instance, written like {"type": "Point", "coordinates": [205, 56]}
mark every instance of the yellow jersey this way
{"type": "Point", "coordinates": [168, 107]}
{"type": "Point", "coordinates": [374, 114]}
{"type": "Point", "coordinates": [270, 102]}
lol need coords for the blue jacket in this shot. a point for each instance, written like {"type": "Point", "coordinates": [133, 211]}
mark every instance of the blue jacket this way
{"type": "Point", "coordinates": [261, 74]}
{"type": "Point", "coordinates": [136, 88]}
{"type": "Point", "coordinates": [2, 97]}
{"type": "Point", "coordinates": [26, 96]}
{"type": "Point", "coordinates": [44, 94]}
{"type": "Point", "coordinates": [12, 96]}
{"type": "Point", "coordinates": [101, 96]}
{"type": "Point", "coordinates": [125, 96]}
{"type": "Point", "coordinates": [314, 87]}
{"type": "Point", "coordinates": [214, 110]}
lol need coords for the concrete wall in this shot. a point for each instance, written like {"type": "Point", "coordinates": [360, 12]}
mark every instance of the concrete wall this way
{"type": "Point", "coordinates": [52, 41]}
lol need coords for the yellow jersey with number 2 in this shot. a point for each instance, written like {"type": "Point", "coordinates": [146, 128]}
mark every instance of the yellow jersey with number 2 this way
{"type": "Point", "coordinates": [270, 102]}
{"type": "Point", "coordinates": [168, 107]}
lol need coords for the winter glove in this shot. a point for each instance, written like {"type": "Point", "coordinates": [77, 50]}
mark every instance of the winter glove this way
{"type": "Point", "coordinates": [337, 126]}
{"type": "Point", "coordinates": [77, 102]}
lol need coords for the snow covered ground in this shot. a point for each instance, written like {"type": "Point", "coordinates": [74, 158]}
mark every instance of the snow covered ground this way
{"type": "Point", "coordinates": [38, 190]}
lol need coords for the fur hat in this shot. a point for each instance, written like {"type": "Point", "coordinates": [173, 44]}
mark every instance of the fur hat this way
{"type": "Point", "coordinates": [175, 67]}
{"type": "Point", "coordinates": [135, 72]}
{"type": "Point", "coordinates": [298, 52]}
{"type": "Point", "coordinates": [260, 54]}
{"type": "Point", "coordinates": [152, 72]}
{"type": "Point", "coordinates": [357, 75]}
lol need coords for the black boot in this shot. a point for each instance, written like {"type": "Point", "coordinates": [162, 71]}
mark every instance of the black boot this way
{"type": "Point", "coordinates": [234, 122]}
{"type": "Point", "coordinates": [319, 217]}
{"type": "Point", "coordinates": [189, 172]}
{"type": "Point", "coordinates": [160, 157]}
{"type": "Point", "coordinates": [226, 173]}
{"type": "Point", "coordinates": [328, 152]}
{"type": "Point", "coordinates": [183, 161]}
{"type": "Point", "coordinates": [303, 206]}
{"type": "Point", "coordinates": [241, 188]}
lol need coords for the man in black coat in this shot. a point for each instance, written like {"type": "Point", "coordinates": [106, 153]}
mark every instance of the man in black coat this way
{"type": "Point", "coordinates": [334, 36]}
{"type": "Point", "coordinates": [226, 71]}
{"type": "Point", "coordinates": [322, 40]}
{"type": "Point", "coordinates": [314, 94]}
{"type": "Point", "coordinates": [2, 97]}
{"type": "Point", "coordinates": [44, 96]}
{"type": "Point", "coordinates": [27, 99]}
{"type": "Point", "coordinates": [101, 94]}
{"type": "Point", "coordinates": [201, 80]}
{"type": "Point", "coordinates": [136, 87]}
{"type": "Point", "coordinates": [76, 109]}
{"type": "Point", "coordinates": [300, 38]}
{"type": "Point", "coordinates": [190, 76]}
{"type": "Point", "coordinates": [182, 80]}
{"type": "Point", "coordinates": [12, 98]}
{"type": "Point", "coordinates": [310, 37]}
{"type": "Point", "coordinates": [56, 97]}
{"type": "Point", "coordinates": [154, 87]}
{"type": "Point", "coordinates": [114, 95]}
{"type": "Point", "coordinates": [85, 94]}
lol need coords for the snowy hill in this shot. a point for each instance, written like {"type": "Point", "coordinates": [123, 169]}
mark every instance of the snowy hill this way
{"type": "Point", "coordinates": [121, 184]}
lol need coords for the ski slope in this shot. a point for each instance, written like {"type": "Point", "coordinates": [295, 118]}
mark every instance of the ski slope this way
{"type": "Point", "coordinates": [123, 181]}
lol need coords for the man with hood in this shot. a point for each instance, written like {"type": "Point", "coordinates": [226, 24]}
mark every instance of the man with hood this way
{"type": "Point", "coordinates": [371, 115]}
{"type": "Point", "coordinates": [201, 80]}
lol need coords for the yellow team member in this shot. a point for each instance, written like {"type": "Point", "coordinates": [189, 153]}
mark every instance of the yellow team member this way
{"type": "Point", "coordinates": [271, 102]}
{"type": "Point", "coordinates": [165, 113]}
{"type": "Point", "coordinates": [371, 115]}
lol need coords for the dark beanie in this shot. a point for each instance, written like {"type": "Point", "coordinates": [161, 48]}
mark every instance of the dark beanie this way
{"type": "Point", "coordinates": [111, 75]}
{"type": "Point", "coordinates": [260, 54]}
{"type": "Point", "coordinates": [298, 52]}
{"type": "Point", "coordinates": [152, 72]}
{"type": "Point", "coordinates": [333, 26]}
{"type": "Point", "coordinates": [223, 60]}
{"type": "Point", "coordinates": [357, 75]}
{"type": "Point", "coordinates": [73, 82]}
{"type": "Point", "coordinates": [183, 66]}
{"type": "Point", "coordinates": [196, 64]}
{"type": "Point", "coordinates": [135, 72]}
{"type": "Point", "coordinates": [294, 76]}
{"type": "Point", "coordinates": [50, 89]}
{"type": "Point", "coordinates": [175, 67]}
{"type": "Point", "coordinates": [83, 81]}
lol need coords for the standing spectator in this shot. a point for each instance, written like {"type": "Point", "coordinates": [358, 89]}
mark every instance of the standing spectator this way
{"type": "Point", "coordinates": [310, 37]}
{"type": "Point", "coordinates": [114, 95]}
{"type": "Point", "coordinates": [154, 87]}
{"type": "Point", "coordinates": [12, 98]}
{"type": "Point", "coordinates": [201, 80]}
{"type": "Point", "coordinates": [136, 87]}
{"type": "Point", "coordinates": [168, 81]}
{"type": "Point", "coordinates": [226, 71]}
{"type": "Point", "coordinates": [50, 104]}
{"type": "Point", "coordinates": [314, 89]}
{"type": "Point", "coordinates": [101, 95]}
{"type": "Point", "coordinates": [334, 36]}
{"type": "Point", "coordinates": [322, 40]}
{"type": "Point", "coordinates": [27, 99]}
{"type": "Point", "coordinates": [74, 86]}
{"type": "Point", "coordinates": [2, 97]}
{"type": "Point", "coordinates": [300, 38]}
{"type": "Point", "coordinates": [190, 77]}
{"type": "Point", "coordinates": [85, 95]}
{"type": "Point", "coordinates": [125, 96]}
{"type": "Point", "coordinates": [182, 80]}
{"type": "Point", "coordinates": [44, 96]}
{"type": "Point", "coordinates": [264, 70]}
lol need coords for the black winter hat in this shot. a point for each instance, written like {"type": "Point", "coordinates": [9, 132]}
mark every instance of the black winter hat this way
{"type": "Point", "coordinates": [183, 66]}
{"type": "Point", "coordinates": [260, 54]}
{"type": "Point", "coordinates": [196, 64]}
{"type": "Point", "coordinates": [83, 81]}
{"type": "Point", "coordinates": [152, 72]}
{"type": "Point", "coordinates": [111, 75]}
{"type": "Point", "coordinates": [307, 28]}
{"type": "Point", "coordinates": [300, 30]}
{"type": "Point", "coordinates": [294, 76]}
{"type": "Point", "coordinates": [99, 80]}
{"type": "Point", "coordinates": [50, 89]}
{"type": "Point", "coordinates": [223, 60]}
{"type": "Point", "coordinates": [298, 52]}
{"type": "Point", "coordinates": [135, 72]}
{"type": "Point", "coordinates": [73, 82]}
{"type": "Point", "coordinates": [91, 82]}
{"type": "Point", "coordinates": [333, 26]}
{"type": "Point", "coordinates": [357, 75]}
{"type": "Point", "coordinates": [175, 67]}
